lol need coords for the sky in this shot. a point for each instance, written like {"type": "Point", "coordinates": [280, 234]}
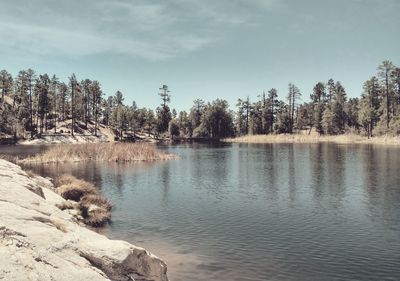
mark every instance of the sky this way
{"type": "Point", "coordinates": [204, 49]}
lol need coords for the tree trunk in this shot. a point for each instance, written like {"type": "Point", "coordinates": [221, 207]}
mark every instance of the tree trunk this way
{"type": "Point", "coordinates": [72, 108]}
{"type": "Point", "coordinates": [30, 110]}
{"type": "Point", "coordinates": [387, 101]}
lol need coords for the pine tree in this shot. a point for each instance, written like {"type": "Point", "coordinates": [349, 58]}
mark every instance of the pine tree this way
{"type": "Point", "coordinates": [318, 99]}
{"type": "Point", "coordinates": [385, 73]}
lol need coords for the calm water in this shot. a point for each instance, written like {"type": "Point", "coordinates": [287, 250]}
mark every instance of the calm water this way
{"type": "Point", "coordinates": [259, 212]}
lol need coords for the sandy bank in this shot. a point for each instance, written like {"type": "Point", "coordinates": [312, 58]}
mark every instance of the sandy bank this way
{"type": "Point", "coordinates": [38, 241]}
{"type": "Point", "coordinates": [315, 138]}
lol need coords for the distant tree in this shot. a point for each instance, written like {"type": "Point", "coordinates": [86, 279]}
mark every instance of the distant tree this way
{"type": "Point", "coordinates": [283, 119]}
{"type": "Point", "coordinates": [184, 124]}
{"type": "Point", "coordinates": [305, 116]}
{"type": "Point", "coordinates": [118, 115]}
{"type": "Point", "coordinates": [294, 94]}
{"type": "Point", "coordinates": [6, 84]}
{"type": "Point", "coordinates": [243, 118]}
{"type": "Point", "coordinates": [385, 73]}
{"type": "Point", "coordinates": [338, 106]}
{"type": "Point", "coordinates": [264, 112]}
{"type": "Point", "coordinates": [331, 90]}
{"type": "Point", "coordinates": [369, 105]}
{"type": "Point", "coordinates": [174, 113]}
{"type": "Point", "coordinates": [173, 129]}
{"type": "Point", "coordinates": [96, 93]}
{"type": "Point", "coordinates": [395, 77]}
{"type": "Point", "coordinates": [62, 100]}
{"type": "Point", "coordinates": [352, 109]}
{"type": "Point", "coordinates": [217, 120]}
{"type": "Point", "coordinates": [31, 77]}
{"type": "Point", "coordinates": [273, 103]}
{"type": "Point", "coordinates": [196, 112]}
{"type": "Point", "coordinates": [318, 100]}
{"type": "Point", "coordinates": [150, 121]}
{"type": "Point", "coordinates": [164, 115]}
{"type": "Point", "coordinates": [53, 98]}
{"type": "Point", "coordinates": [73, 84]}
{"type": "Point", "coordinates": [86, 86]}
{"type": "Point", "coordinates": [42, 90]}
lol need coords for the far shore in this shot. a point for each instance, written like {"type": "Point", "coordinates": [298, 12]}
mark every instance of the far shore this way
{"type": "Point", "coordinates": [315, 138]}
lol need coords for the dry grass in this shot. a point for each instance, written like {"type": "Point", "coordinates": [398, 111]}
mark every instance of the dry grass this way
{"type": "Point", "coordinates": [315, 138]}
{"type": "Point", "coordinates": [97, 218]}
{"type": "Point", "coordinates": [92, 199]}
{"type": "Point", "coordinates": [93, 208]}
{"type": "Point", "coordinates": [76, 190]}
{"type": "Point", "coordinates": [64, 179]}
{"type": "Point", "coordinates": [112, 152]}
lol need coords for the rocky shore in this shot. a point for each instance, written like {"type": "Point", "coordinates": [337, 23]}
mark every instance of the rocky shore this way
{"type": "Point", "coordinates": [38, 241]}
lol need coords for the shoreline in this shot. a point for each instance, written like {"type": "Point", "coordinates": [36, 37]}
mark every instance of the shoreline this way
{"type": "Point", "coordinates": [41, 242]}
{"type": "Point", "coordinates": [314, 138]}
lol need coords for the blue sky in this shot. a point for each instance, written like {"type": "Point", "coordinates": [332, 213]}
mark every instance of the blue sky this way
{"type": "Point", "coordinates": [201, 48]}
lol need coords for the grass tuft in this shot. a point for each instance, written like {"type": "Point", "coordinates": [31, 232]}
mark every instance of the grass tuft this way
{"type": "Point", "coordinates": [98, 217]}
{"type": "Point", "coordinates": [64, 179]}
{"type": "Point", "coordinates": [93, 208]}
{"type": "Point", "coordinates": [76, 190]}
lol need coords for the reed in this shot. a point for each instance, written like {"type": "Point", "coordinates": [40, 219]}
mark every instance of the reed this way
{"type": "Point", "coordinates": [111, 152]}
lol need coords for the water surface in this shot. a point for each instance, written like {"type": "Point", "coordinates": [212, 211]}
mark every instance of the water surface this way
{"type": "Point", "coordinates": [259, 212]}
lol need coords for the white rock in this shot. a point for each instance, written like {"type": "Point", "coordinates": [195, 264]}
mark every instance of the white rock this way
{"type": "Point", "coordinates": [38, 241]}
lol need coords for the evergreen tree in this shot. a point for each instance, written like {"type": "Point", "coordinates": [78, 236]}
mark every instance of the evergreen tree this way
{"type": "Point", "coordinates": [318, 99]}
{"type": "Point", "coordinates": [385, 73]}
{"type": "Point", "coordinates": [6, 84]}
{"type": "Point", "coordinates": [273, 103]}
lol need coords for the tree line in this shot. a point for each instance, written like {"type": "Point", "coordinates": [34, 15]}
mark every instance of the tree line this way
{"type": "Point", "coordinates": [34, 104]}
{"type": "Point", "coordinates": [329, 111]}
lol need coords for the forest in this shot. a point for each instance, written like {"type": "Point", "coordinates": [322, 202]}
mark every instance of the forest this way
{"type": "Point", "coordinates": [33, 104]}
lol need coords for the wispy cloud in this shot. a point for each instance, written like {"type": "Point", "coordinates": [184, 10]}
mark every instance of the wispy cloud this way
{"type": "Point", "coordinates": [154, 30]}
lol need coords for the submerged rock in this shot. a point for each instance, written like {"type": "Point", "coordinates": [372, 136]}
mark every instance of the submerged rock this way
{"type": "Point", "coordinates": [38, 241]}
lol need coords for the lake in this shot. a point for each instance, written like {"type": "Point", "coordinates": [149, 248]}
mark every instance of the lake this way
{"type": "Point", "coordinates": [257, 212]}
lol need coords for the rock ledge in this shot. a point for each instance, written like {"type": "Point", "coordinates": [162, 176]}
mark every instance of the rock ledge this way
{"type": "Point", "coordinates": [38, 241]}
